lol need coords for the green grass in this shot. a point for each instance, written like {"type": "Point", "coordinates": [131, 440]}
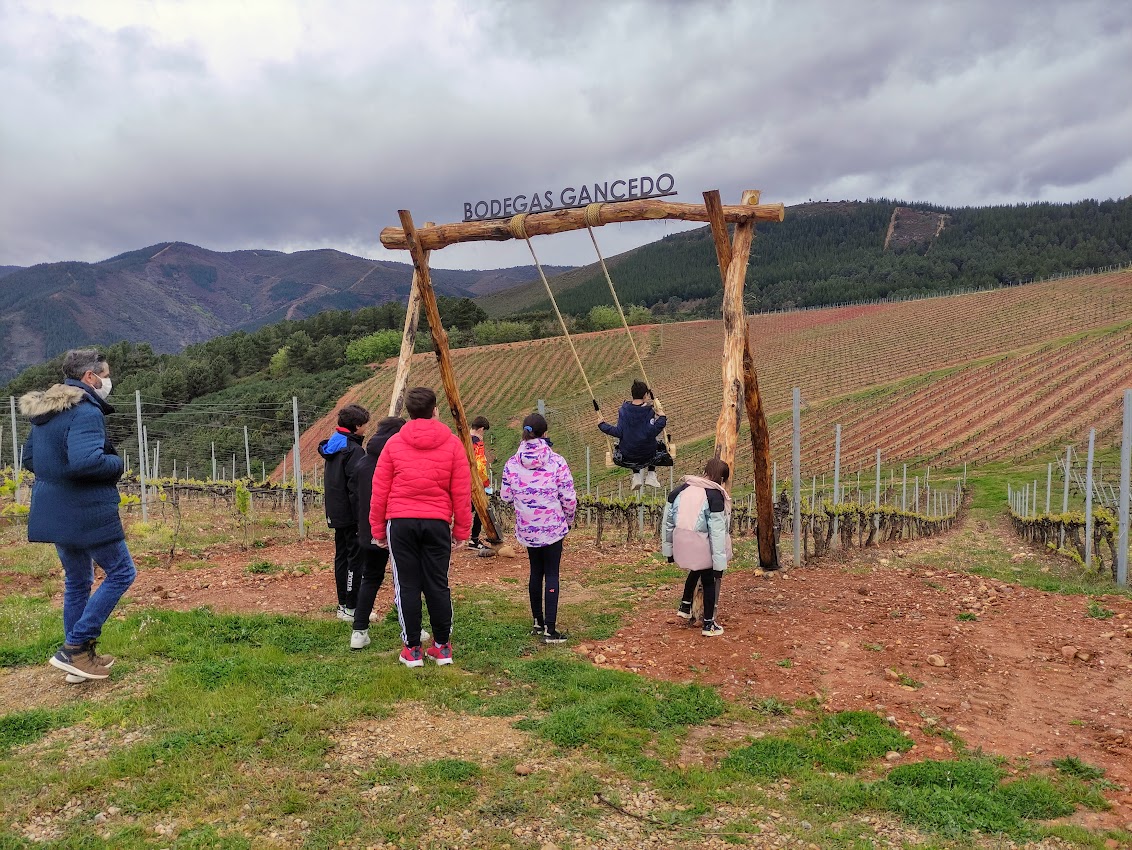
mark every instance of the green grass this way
{"type": "Point", "coordinates": [966, 617]}
{"type": "Point", "coordinates": [1098, 611]}
{"type": "Point", "coordinates": [230, 725]}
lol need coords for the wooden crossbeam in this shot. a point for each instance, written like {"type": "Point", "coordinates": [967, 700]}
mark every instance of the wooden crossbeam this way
{"type": "Point", "coordinates": [561, 221]}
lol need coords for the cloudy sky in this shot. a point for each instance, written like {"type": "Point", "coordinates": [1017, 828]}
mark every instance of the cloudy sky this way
{"type": "Point", "coordinates": [288, 124]}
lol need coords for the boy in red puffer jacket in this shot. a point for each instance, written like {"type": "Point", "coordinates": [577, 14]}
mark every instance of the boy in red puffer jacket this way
{"type": "Point", "coordinates": [422, 495]}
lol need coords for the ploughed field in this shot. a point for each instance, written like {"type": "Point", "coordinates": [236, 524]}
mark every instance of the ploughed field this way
{"type": "Point", "coordinates": [965, 379]}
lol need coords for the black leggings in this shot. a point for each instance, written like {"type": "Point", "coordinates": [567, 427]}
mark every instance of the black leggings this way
{"type": "Point", "coordinates": [543, 586]}
{"type": "Point", "coordinates": [373, 574]}
{"type": "Point", "coordinates": [707, 577]}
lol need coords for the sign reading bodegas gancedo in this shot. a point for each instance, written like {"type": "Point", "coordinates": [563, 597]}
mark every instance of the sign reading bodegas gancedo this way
{"type": "Point", "coordinates": [633, 189]}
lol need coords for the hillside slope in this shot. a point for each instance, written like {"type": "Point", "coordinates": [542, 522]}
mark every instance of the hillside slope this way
{"type": "Point", "coordinates": [174, 294]}
{"type": "Point", "coordinates": [977, 377]}
{"type": "Point", "coordinates": [848, 251]}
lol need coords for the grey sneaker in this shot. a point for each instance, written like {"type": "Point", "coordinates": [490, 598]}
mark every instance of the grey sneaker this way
{"type": "Point", "coordinates": [78, 661]}
{"type": "Point", "coordinates": [711, 629]}
{"type": "Point", "coordinates": [359, 639]}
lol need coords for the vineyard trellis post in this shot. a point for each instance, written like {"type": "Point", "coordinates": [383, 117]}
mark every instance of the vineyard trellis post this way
{"type": "Point", "coordinates": [917, 493]}
{"type": "Point", "coordinates": [298, 476]}
{"type": "Point", "coordinates": [214, 461]}
{"type": "Point", "coordinates": [1049, 484]}
{"type": "Point", "coordinates": [1125, 488]}
{"type": "Point", "coordinates": [904, 490]}
{"type": "Point", "coordinates": [1065, 494]}
{"type": "Point", "coordinates": [1089, 501]}
{"type": "Point", "coordinates": [587, 470]}
{"type": "Point", "coordinates": [15, 438]}
{"type": "Point", "coordinates": [247, 454]}
{"type": "Point", "coordinates": [836, 479]}
{"type": "Point", "coordinates": [876, 516]}
{"type": "Point", "coordinates": [141, 456]}
{"type": "Point", "coordinates": [796, 475]}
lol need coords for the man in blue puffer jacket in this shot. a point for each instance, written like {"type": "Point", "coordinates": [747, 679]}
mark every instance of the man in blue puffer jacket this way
{"type": "Point", "coordinates": [74, 504]}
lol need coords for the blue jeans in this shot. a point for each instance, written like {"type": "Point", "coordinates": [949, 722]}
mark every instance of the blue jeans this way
{"type": "Point", "coordinates": [84, 613]}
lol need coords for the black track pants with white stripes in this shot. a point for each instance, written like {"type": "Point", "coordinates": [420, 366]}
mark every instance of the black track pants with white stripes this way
{"type": "Point", "coordinates": [420, 551]}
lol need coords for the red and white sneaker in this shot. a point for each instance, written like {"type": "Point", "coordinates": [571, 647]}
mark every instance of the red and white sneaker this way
{"type": "Point", "coordinates": [411, 657]}
{"type": "Point", "coordinates": [441, 653]}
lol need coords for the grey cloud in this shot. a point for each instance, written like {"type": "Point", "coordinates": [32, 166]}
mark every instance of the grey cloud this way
{"type": "Point", "coordinates": [129, 140]}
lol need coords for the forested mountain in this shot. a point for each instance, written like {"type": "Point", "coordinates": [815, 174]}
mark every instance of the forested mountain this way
{"type": "Point", "coordinates": [7, 270]}
{"type": "Point", "coordinates": [174, 294]}
{"type": "Point", "coordinates": [828, 253]}
{"type": "Point", "coordinates": [210, 391]}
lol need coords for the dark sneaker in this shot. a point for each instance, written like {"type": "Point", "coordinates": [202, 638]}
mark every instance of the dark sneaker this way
{"type": "Point", "coordinates": [711, 629]}
{"type": "Point", "coordinates": [554, 636]}
{"type": "Point", "coordinates": [78, 661]}
{"type": "Point", "coordinates": [685, 610]}
{"type": "Point", "coordinates": [537, 629]}
{"type": "Point", "coordinates": [475, 545]}
{"type": "Point", "coordinates": [441, 653]}
{"type": "Point", "coordinates": [411, 657]}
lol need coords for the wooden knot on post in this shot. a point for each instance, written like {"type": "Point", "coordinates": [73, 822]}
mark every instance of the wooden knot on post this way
{"type": "Point", "coordinates": [518, 226]}
{"type": "Point", "coordinates": [592, 214]}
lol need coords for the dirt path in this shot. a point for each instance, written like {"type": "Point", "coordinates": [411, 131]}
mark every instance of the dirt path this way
{"type": "Point", "coordinates": [859, 633]}
{"type": "Point", "coordinates": [1030, 676]}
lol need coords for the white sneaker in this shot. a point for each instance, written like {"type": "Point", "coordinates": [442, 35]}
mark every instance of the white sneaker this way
{"type": "Point", "coordinates": [373, 618]}
{"type": "Point", "coordinates": [72, 679]}
{"type": "Point", "coordinates": [638, 478]}
{"type": "Point", "coordinates": [359, 640]}
{"type": "Point", "coordinates": [651, 480]}
{"type": "Point", "coordinates": [345, 614]}
{"type": "Point", "coordinates": [424, 636]}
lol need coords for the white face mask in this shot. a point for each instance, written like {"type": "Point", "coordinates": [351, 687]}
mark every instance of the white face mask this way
{"type": "Point", "coordinates": [103, 391]}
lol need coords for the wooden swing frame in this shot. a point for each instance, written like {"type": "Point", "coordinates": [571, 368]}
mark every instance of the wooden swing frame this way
{"type": "Point", "coordinates": [740, 381]}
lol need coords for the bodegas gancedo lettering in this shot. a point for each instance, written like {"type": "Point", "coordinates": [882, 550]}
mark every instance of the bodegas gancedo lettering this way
{"type": "Point", "coordinates": [633, 189]}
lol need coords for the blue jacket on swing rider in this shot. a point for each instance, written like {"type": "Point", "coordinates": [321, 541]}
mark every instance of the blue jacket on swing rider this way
{"type": "Point", "coordinates": [636, 431]}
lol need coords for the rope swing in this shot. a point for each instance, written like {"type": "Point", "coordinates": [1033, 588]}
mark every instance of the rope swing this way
{"type": "Point", "coordinates": [592, 219]}
{"type": "Point", "coordinates": [519, 231]}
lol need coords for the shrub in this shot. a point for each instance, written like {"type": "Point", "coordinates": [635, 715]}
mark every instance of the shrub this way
{"type": "Point", "coordinates": [374, 348]}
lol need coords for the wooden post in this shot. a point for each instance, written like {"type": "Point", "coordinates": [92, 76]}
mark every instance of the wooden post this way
{"type": "Point", "coordinates": [408, 342]}
{"type": "Point", "coordinates": [752, 399]}
{"type": "Point", "coordinates": [444, 363]}
{"type": "Point", "coordinates": [734, 335]}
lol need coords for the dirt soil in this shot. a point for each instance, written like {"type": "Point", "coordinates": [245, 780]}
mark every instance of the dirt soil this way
{"type": "Point", "coordinates": [1031, 677]}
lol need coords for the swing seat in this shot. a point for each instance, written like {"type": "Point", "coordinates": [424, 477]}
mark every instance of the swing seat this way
{"type": "Point", "coordinates": [660, 458]}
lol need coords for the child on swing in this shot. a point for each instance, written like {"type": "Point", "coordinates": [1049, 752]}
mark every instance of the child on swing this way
{"type": "Point", "coordinates": [636, 431]}
{"type": "Point", "coordinates": [538, 483]}
{"type": "Point", "coordinates": [697, 515]}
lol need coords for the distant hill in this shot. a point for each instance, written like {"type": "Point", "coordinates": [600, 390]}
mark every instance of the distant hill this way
{"type": "Point", "coordinates": [7, 270]}
{"type": "Point", "coordinates": [836, 252]}
{"type": "Point", "coordinates": [174, 294]}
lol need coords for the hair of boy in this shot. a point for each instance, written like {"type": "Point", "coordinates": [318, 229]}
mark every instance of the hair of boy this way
{"type": "Point", "coordinates": [717, 470]}
{"type": "Point", "coordinates": [353, 417]}
{"type": "Point", "coordinates": [389, 422]}
{"type": "Point", "coordinates": [79, 361]}
{"type": "Point", "coordinates": [534, 426]}
{"type": "Point", "coordinates": [420, 403]}
{"type": "Point", "coordinates": [639, 389]}
{"type": "Point", "coordinates": [480, 422]}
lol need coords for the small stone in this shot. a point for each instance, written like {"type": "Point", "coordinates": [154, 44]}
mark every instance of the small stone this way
{"type": "Point", "coordinates": [523, 770]}
{"type": "Point", "coordinates": [891, 755]}
{"type": "Point", "coordinates": [549, 845]}
{"type": "Point", "coordinates": [1068, 652]}
{"type": "Point", "coordinates": [599, 659]}
{"type": "Point", "coordinates": [937, 661]}
{"type": "Point", "coordinates": [891, 675]}
{"type": "Point", "coordinates": [1084, 656]}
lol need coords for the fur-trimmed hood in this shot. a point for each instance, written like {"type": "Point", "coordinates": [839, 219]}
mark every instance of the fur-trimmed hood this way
{"type": "Point", "coordinates": [40, 407]}
{"type": "Point", "coordinates": [54, 400]}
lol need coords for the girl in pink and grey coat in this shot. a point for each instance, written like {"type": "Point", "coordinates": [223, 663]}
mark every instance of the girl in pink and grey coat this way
{"type": "Point", "coordinates": [695, 537]}
{"type": "Point", "coordinates": [538, 483]}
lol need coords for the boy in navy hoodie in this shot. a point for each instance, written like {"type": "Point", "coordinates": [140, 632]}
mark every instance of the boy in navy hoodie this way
{"type": "Point", "coordinates": [339, 453]}
{"type": "Point", "coordinates": [636, 431]}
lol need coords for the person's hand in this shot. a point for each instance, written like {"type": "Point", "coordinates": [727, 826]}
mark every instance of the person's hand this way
{"type": "Point", "coordinates": [459, 544]}
{"type": "Point", "coordinates": [598, 418]}
{"type": "Point", "coordinates": [384, 544]}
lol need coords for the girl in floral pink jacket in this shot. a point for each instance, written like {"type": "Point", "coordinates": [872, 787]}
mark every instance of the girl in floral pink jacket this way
{"type": "Point", "coordinates": [538, 483]}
